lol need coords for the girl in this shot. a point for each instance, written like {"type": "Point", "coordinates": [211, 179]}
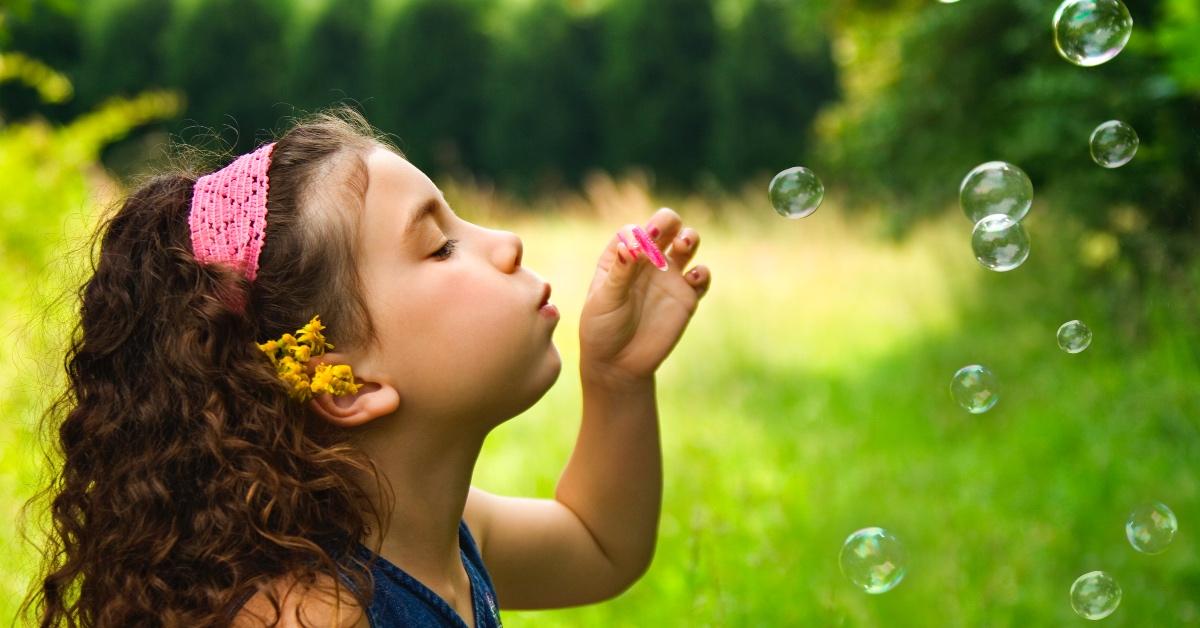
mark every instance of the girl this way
{"type": "Point", "coordinates": [283, 374]}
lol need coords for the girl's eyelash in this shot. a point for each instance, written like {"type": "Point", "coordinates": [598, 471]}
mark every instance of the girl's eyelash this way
{"type": "Point", "coordinates": [446, 249]}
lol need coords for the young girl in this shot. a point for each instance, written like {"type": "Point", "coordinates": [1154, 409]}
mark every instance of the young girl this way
{"type": "Point", "coordinates": [283, 375]}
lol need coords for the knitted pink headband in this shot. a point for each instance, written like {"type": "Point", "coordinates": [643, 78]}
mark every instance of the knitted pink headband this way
{"type": "Point", "coordinates": [229, 212]}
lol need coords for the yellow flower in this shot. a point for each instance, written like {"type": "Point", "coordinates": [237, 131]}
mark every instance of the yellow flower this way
{"type": "Point", "coordinates": [335, 379]}
{"type": "Point", "coordinates": [301, 352]}
{"type": "Point", "coordinates": [271, 348]}
{"type": "Point", "coordinates": [311, 334]}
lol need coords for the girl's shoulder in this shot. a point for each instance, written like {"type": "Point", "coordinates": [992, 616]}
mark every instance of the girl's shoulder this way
{"type": "Point", "coordinates": [317, 605]}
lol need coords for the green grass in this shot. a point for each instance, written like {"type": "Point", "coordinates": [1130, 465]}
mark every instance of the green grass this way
{"type": "Point", "coordinates": [809, 398]}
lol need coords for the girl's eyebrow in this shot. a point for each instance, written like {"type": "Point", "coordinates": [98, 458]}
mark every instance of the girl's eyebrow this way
{"type": "Point", "coordinates": [429, 207]}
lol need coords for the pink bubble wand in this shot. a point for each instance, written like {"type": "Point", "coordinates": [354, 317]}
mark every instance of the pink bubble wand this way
{"type": "Point", "coordinates": [646, 246]}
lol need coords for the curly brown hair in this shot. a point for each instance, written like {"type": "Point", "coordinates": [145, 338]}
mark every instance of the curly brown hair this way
{"type": "Point", "coordinates": [184, 479]}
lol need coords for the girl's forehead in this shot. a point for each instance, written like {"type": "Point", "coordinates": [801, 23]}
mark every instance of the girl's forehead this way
{"type": "Point", "coordinates": [395, 188]}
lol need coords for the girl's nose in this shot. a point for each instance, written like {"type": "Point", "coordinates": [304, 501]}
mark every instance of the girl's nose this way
{"type": "Point", "coordinates": [507, 253]}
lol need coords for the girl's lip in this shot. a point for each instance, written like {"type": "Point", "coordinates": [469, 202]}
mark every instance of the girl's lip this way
{"type": "Point", "coordinates": [545, 295]}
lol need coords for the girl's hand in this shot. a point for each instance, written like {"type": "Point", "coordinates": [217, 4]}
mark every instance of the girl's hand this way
{"type": "Point", "coordinates": [634, 313]}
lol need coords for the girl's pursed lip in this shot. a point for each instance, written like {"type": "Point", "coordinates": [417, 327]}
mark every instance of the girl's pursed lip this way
{"type": "Point", "coordinates": [545, 295]}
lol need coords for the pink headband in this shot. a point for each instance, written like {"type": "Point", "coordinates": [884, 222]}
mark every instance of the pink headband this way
{"type": "Point", "coordinates": [228, 216]}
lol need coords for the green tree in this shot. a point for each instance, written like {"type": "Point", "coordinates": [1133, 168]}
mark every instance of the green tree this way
{"type": "Point", "coordinates": [655, 89]}
{"type": "Point", "coordinates": [226, 55]}
{"type": "Point", "coordinates": [328, 54]}
{"type": "Point", "coordinates": [427, 72]}
{"type": "Point", "coordinates": [978, 81]}
{"type": "Point", "coordinates": [122, 44]}
{"type": "Point", "coordinates": [541, 121]}
{"type": "Point", "coordinates": [766, 93]}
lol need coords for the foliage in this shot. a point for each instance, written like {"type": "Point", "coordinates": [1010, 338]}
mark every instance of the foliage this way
{"type": "Point", "coordinates": [427, 68]}
{"type": "Point", "coordinates": [654, 85]}
{"type": "Point", "coordinates": [543, 85]}
{"type": "Point", "coordinates": [958, 85]}
{"type": "Point", "coordinates": [51, 186]}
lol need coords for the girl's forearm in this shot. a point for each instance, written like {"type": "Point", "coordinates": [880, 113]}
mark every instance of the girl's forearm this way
{"type": "Point", "coordinates": [613, 480]}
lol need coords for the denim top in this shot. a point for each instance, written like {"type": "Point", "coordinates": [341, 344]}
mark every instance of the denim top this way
{"type": "Point", "coordinates": [401, 600]}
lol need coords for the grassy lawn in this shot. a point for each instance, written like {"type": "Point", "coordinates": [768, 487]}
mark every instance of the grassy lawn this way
{"type": "Point", "coordinates": [809, 398]}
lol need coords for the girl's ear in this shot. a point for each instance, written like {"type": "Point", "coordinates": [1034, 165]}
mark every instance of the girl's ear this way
{"type": "Point", "coordinates": [373, 399]}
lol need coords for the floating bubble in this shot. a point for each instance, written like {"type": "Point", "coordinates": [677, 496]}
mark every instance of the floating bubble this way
{"type": "Point", "coordinates": [1151, 528]}
{"type": "Point", "coordinates": [1000, 243]}
{"type": "Point", "coordinates": [796, 192]}
{"type": "Point", "coordinates": [1095, 595]}
{"type": "Point", "coordinates": [1090, 32]}
{"type": "Point", "coordinates": [1074, 336]}
{"type": "Point", "coordinates": [995, 187]}
{"type": "Point", "coordinates": [873, 559]}
{"type": "Point", "coordinates": [1113, 144]}
{"type": "Point", "coordinates": [974, 388]}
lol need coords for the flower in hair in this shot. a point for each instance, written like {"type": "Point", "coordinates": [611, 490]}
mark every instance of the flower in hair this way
{"type": "Point", "coordinates": [289, 353]}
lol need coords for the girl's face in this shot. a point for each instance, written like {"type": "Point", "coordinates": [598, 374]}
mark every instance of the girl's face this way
{"type": "Point", "coordinates": [462, 339]}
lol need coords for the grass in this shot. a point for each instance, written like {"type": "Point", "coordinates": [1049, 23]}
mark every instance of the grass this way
{"type": "Point", "coordinates": [809, 398]}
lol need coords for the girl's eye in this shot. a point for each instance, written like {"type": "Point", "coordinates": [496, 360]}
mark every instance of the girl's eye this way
{"type": "Point", "coordinates": [446, 249]}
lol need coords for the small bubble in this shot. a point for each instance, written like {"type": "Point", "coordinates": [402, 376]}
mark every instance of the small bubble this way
{"type": "Point", "coordinates": [1074, 336]}
{"type": "Point", "coordinates": [1000, 243]}
{"type": "Point", "coordinates": [874, 560]}
{"type": "Point", "coordinates": [995, 187]}
{"type": "Point", "coordinates": [974, 388]}
{"type": "Point", "coordinates": [1151, 528]}
{"type": "Point", "coordinates": [1095, 595]}
{"type": "Point", "coordinates": [1113, 144]}
{"type": "Point", "coordinates": [1090, 32]}
{"type": "Point", "coordinates": [796, 192]}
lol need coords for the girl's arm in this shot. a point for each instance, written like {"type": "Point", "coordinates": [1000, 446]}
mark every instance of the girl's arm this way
{"type": "Point", "coordinates": [597, 536]}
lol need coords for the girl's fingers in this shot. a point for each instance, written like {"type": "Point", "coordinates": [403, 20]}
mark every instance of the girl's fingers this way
{"type": "Point", "coordinates": [663, 226]}
{"type": "Point", "coordinates": [699, 278]}
{"type": "Point", "coordinates": [621, 275]}
{"type": "Point", "coordinates": [683, 248]}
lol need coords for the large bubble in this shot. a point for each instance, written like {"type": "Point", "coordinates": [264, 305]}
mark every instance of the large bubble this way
{"type": "Point", "coordinates": [974, 388]}
{"type": "Point", "coordinates": [1151, 527]}
{"type": "Point", "coordinates": [1074, 336]}
{"type": "Point", "coordinates": [1000, 243]}
{"type": "Point", "coordinates": [995, 187]}
{"type": "Point", "coordinates": [1113, 144]}
{"type": "Point", "coordinates": [796, 192]}
{"type": "Point", "coordinates": [873, 559]}
{"type": "Point", "coordinates": [1095, 595]}
{"type": "Point", "coordinates": [1090, 32]}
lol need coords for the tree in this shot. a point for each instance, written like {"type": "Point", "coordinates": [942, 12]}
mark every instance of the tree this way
{"type": "Point", "coordinates": [427, 71]}
{"type": "Point", "coordinates": [541, 118]}
{"type": "Point", "coordinates": [655, 85]}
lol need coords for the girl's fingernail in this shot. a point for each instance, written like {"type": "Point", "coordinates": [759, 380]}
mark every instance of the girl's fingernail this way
{"type": "Point", "coordinates": [695, 273]}
{"type": "Point", "coordinates": [687, 241]}
{"type": "Point", "coordinates": [625, 243]}
{"type": "Point", "coordinates": [654, 232]}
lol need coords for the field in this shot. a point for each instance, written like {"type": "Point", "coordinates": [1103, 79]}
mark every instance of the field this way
{"type": "Point", "coordinates": [809, 398]}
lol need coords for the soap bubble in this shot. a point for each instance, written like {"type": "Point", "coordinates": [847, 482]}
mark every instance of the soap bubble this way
{"type": "Point", "coordinates": [1090, 32]}
{"type": "Point", "coordinates": [1095, 595]}
{"type": "Point", "coordinates": [974, 388]}
{"type": "Point", "coordinates": [796, 192]}
{"type": "Point", "coordinates": [873, 559]}
{"type": "Point", "coordinates": [1151, 527]}
{"type": "Point", "coordinates": [1113, 144]}
{"type": "Point", "coordinates": [1000, 243]}
{"type": "Point", "coordinates": [1074, 336]}
{"type": "Point", "coordinates": [995, 187]}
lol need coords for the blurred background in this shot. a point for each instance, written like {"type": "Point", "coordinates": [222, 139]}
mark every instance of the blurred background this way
{"type": "Point", "coordinates": [809, 397]}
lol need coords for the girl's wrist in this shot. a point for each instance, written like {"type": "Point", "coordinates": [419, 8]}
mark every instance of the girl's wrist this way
{"type": "Point", "coordinates": [614, 379]}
